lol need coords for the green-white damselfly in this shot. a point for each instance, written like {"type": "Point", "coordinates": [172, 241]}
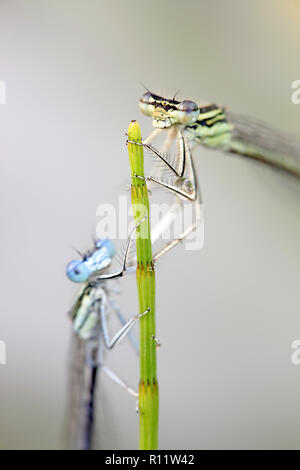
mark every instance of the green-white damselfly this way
{"type": "Point", "coordinates": [215, 127]}
{"type": "Point", "coordinates": [191, 125]}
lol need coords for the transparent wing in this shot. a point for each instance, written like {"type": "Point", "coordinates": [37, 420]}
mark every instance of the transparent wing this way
{"type": "Point", "coordinates": [83, 379]}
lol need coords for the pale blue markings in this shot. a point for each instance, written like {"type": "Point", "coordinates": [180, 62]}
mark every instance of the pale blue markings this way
{"type": "Point", "coordinates": [99, 258]}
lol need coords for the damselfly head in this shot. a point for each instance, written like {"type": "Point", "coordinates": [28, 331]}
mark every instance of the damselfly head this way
{"type": "Point", "coordinates": [158, 108]}
{"type": "Point", "coordinates": [96, 260]}
{"type": "Point", "coordinates": [168, 112]}
{"type": "Point", "coordinates": [77, 271]}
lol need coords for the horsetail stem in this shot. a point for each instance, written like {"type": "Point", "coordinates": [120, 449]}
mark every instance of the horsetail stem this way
{"type": "Point", "coordinates": [145, 275]}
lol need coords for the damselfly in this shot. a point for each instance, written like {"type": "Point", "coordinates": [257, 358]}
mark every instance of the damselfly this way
{"type": "Point", "coordinates": [90, 314]}
{"type": "Point", "coordinates": [215, 127]}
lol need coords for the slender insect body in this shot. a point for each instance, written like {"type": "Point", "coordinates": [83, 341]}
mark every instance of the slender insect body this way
{"type": "Point", "coordinates": [86, 343]}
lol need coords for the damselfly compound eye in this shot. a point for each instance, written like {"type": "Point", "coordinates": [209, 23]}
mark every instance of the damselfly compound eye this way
{"type": "Point", "coordinates": [146, 98]}
{"type": "Point", "coordinates": [145, 104]}
{"type": "Point", "coordinates": [186, 112]}
{"type": "Point", "coordinates": [77, 271]}
{"type": "Point", "coordinates": [188, 106]}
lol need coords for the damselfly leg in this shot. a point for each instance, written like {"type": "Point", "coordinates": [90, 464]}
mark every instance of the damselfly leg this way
{"type": "Point", "coordinates": [182, 182]}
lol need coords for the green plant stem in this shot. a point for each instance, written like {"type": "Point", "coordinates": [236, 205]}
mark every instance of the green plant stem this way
{"type": "Point", "coordinates": [145, 275]}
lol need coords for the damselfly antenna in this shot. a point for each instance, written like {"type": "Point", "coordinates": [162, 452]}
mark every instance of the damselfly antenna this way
{"type": "Point", "coordinates": [178, 91]}
{"type": "Point", "coordinates": [77, 251]}
{"type": "Point", "coordinates": [147, 89]}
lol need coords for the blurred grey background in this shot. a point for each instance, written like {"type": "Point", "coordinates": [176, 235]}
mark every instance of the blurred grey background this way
{"type": "Point", "coordinates": [226, 315]}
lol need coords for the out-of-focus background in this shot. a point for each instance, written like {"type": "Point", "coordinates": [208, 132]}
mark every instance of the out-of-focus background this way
{"type": "Point", "coordinates": [226, 315]}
